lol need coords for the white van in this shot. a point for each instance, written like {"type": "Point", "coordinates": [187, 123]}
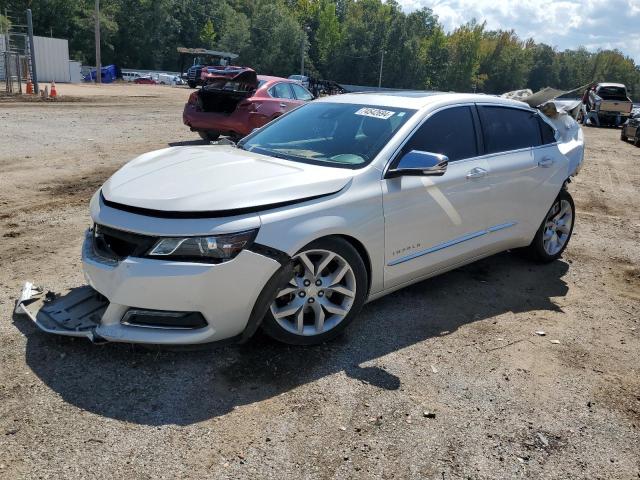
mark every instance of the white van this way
{"type": "Point", "coordinates": [169, 79]}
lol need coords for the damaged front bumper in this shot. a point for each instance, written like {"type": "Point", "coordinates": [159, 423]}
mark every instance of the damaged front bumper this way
{"type": "Point", "coordinates": [75, 314]}
{"type": "Point", "coordinates": [187, 303]}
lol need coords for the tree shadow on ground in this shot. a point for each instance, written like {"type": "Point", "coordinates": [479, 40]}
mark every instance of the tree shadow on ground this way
{"type": "Point", "coordinates": [158, 387]}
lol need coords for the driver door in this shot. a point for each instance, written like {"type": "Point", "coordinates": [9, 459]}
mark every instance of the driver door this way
{"type": "Point", "coordinates": [434, 222]}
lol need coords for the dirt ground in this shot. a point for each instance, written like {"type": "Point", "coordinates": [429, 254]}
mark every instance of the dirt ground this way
{"type": "Point", "coordinates": [443, 380]}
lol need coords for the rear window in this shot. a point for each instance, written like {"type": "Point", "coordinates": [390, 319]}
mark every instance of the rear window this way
{"type": "Point", "coordinates": [506, 129]}
{"type": "Point", "coordinates": [548, 134]}
{"type": "Point", "coordinates": [301, 92]}
{"type": "Point", "coordinates": [612, 93]}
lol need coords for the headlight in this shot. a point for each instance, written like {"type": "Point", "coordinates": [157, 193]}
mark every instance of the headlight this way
{"type": "Point", "coordinates": [213, 249]}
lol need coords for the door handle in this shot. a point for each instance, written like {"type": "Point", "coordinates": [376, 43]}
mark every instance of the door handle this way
{"type": "Point", "coordinates": [477, 173]}
{"type": "Point", "coordinates": [283, 105]}
{"type": "Point", "coordinates": [546, 162]}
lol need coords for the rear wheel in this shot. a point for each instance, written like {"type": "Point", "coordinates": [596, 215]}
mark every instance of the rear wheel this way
{"type": "Point", "coordinates": [555, 232]}
{"type": "Point", "coordinates": [208, 135]}
{"type": "Point", "coordinates": [322, 298]}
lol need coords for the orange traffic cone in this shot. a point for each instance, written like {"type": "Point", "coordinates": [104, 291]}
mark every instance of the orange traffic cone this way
{"type": "Point", "coordinates": [29, 88]}
{"type": "Point", "coordinates": [54, 92]}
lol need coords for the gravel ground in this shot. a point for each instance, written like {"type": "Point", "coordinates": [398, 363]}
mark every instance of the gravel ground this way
{"type": "Point", "coordinates": [442, 380]}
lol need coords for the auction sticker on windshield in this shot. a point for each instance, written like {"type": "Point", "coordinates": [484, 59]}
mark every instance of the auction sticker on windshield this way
{"type": "Point", "coordinates": [375, 113]}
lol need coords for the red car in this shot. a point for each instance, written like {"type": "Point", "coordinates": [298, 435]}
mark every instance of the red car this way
{"type": "Point", "coordinates": [236, 101]}
{"type": "Point", "coordinates": [145, 81]}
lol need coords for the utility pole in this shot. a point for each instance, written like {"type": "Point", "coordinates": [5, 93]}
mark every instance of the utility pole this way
{"type": "Point", "coordinates": [381, 63]}
{"type": "Point", "coordinates": [32, 53]}
{"type": "Point", "coordinates": [302, 53]}
{"type": "Point", "coordinates": [97, 29]}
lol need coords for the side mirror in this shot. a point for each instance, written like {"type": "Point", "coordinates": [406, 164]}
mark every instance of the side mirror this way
{"type": "Point", "coordinates": [419, 163]}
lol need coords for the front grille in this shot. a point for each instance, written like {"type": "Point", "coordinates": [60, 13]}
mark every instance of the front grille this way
{"type": "Point", "coordinates": [193, 73]}
{"type": "Point", "coordinates": [118, 244]}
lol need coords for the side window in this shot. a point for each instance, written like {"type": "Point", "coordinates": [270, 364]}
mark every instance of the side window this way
{"type": "Point", "coordinates": [301, 92]}
{"type": "Point", "coordinates": [507, 129]}
{"type": "Point", "coordinates": [281, 90]}
{"type": "Point", "coordinates": [449, 132]}
{"type": "Point", "coordinates": [548, 134]}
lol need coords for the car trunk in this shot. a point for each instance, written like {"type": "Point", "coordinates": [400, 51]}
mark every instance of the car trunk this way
{"type": "Point", "coordinates": [226, 88]}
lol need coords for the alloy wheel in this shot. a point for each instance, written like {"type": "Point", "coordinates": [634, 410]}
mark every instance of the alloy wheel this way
{"type": "Point", "coordinates": [557, 227]}
{"type": "Point", "coordinates": [319, 295]}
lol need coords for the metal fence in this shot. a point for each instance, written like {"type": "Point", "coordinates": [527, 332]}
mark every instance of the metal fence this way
{"type": "Point", "coordinates": [14, 70]}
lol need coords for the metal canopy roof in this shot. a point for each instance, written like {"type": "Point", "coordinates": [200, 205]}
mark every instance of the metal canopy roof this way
{"type": "Point", "coordinates": [204, 51]}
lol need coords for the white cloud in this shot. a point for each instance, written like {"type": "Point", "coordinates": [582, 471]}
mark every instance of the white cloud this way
{"type": "Point", "coordinates": [593, 24]}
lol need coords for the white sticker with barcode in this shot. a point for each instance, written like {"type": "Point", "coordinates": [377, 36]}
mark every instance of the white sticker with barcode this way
{"type": "Point", "coordinates": [375, 113]}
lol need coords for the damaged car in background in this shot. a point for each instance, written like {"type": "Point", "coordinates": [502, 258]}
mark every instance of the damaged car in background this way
{"type": "Point", "coordinates": [334, 204]}
{"type": "Point", "coordinates": [235, 100]}
{"type": "Point", "coordinates": [631, 128]}
{"type": "Point", "coordinates": [606, 104]}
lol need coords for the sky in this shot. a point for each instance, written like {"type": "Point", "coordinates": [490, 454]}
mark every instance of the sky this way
{"type": "Point", "coordinates": [593, 24]}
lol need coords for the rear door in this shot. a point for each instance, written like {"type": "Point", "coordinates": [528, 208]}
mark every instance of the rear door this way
{"type": "Point", "coordinates": [434, 222]}
{"type": "Point", "coordinates": [282, 99]}
{"type": "Point", "coordinates": [525, 172]}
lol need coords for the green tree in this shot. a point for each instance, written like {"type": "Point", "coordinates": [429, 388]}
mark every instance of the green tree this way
{"type": "Point", "coordinates": [363, 37]}
{"type": "Point", "coordinates": [464, 57]}
{"type": "Point", "coordinates": [208, 34]}
{"type": "Point", "coordinates": [504, 62]}
{"type": "Point", "coordinates": [434, 55]}
{"type": "Point", "coordinates": [276, 38]}
{"type": "Point", "coordinates": [5, 24]}
{"type": "Point", "coordinates": [544, 68]}
{"type": "Point", "coordinates": [342, 40]}
{"type": "Point", "coordinates": [328, 33]}
{"type": "Point", "coordinates": [235, 28]}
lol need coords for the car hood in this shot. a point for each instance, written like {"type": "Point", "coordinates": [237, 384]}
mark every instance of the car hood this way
{"type": "Point", "coordinates": [213, 178]}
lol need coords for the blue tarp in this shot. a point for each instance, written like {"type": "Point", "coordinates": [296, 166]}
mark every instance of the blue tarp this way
{"type": "Point", "coordinates": [109, 74]}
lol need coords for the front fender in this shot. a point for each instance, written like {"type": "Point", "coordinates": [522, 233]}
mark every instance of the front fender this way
{"type": "Point", "coordinates": [354, 212]}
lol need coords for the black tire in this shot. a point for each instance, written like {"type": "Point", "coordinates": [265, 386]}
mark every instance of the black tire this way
{"type": "Point", "coordinates": [623, 137]}
{"type": "Point", "coordinates": [192, 84]}
{"type": "Point", "coordinates": [536, 250]}
{"type": "Point", "coordinates": [349, 254]}
{"type": "Point", "coordinates": [208, 135]}
{"type": "Point", "coordinates": [636, 141]}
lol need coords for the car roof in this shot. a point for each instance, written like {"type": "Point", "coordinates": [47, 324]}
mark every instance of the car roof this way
{"type": "Point", "coordinates": [620, 85]}
{"type": "Point", "coordinates": [416, 100]}
{"type": "Point", "coordinates": [269, 78]}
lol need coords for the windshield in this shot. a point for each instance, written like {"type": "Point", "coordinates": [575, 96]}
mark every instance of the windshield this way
{"type": "Point", "coordinates": [334, 134]}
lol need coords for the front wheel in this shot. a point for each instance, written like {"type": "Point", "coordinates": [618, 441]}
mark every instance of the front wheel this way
{"type": "Point", "coordinates": [553, 235]}
{"type": "Point", "coordinates": [192, 84]}
{"type": "Point", "coordinates": [326, 292]}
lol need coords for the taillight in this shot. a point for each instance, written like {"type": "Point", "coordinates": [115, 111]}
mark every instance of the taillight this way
{"type": "Point", "coordinates": [193, 98]}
